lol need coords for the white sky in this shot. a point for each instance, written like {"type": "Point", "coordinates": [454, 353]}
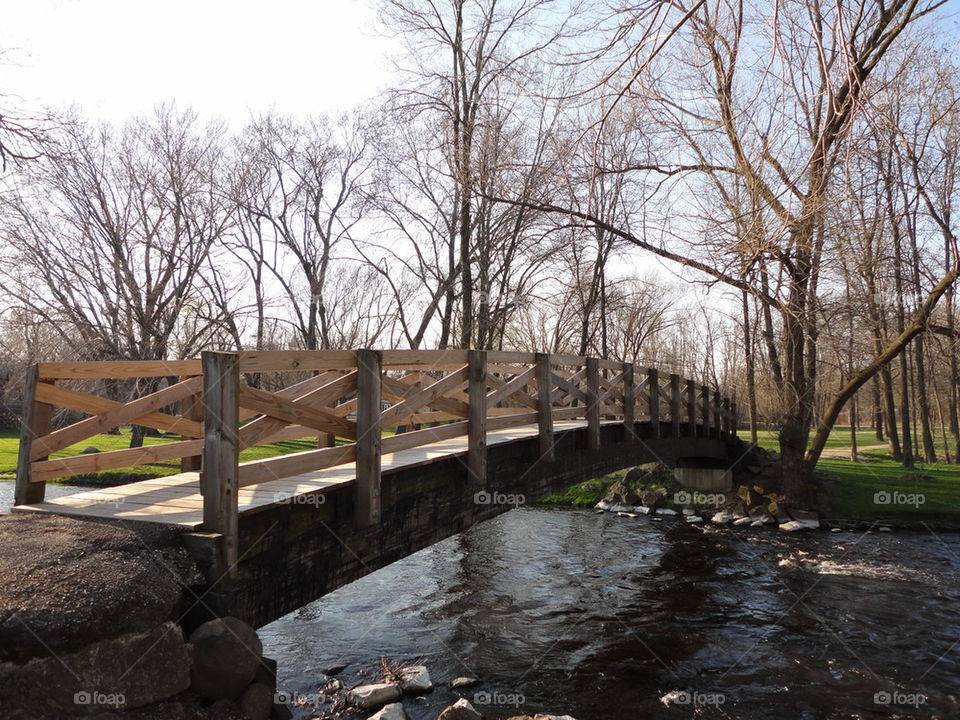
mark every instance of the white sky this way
{"type": "Point", "coordinates": [114, 58]}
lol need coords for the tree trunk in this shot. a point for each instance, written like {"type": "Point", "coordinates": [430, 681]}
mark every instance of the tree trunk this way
{"type": "Point", "coordinates": [751, 369]}
{"type": "Point", "coordinates": [853, 429]}
{"type": "Point", "coordinates": [877, 411]}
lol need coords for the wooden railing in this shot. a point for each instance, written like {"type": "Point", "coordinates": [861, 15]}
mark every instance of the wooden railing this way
{"type": "Point", "coordinates": [354, 395]}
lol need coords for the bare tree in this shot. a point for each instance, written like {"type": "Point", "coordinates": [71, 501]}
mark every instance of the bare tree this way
{"type": "Point", "coordinates": [108, 233]}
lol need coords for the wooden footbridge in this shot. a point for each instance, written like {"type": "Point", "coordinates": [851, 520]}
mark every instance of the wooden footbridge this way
{"type": "Point", "coordinates": [430, 443]}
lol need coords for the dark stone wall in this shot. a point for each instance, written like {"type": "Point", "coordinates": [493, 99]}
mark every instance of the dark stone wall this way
{"type": "Point", "coordinates": [295, 553]}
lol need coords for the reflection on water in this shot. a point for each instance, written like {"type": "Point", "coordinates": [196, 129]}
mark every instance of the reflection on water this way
{"type": "Point", "coordinates": [600, 617]}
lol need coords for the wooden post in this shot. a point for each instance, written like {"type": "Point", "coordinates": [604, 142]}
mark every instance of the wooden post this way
{"type": "Point", "coordinates": [326, 440]}
{"type": "Point", "coordinates": [726, 416]}
{"type": "Point", "coordinates": [676, 402]}
{"type": "Point", "coordinates": [545, 407]}
{"type": "Point", "coordinates": [691, 408]}
{"type": "Point", "coordinates": [705, 410]}
{"type": "Point", "coordinates": [221, 449]}
{"type": "Point", "coordinates": [629, 404]}
{"type": "Point", "coordinates": [653, 385]}
{"type": "Point", "coordinates": [593, 403]}
{"type": "Point", "coordinates": [191, 408]}
{"type": "Point", "coordinates": [734, 420]}
{"type": "Point", "coordinates": [367, 488]}
{"type": "Point", "coordinates": [34, 423]}
{"type": "Point", "coordinates": [477, 422]}
{"type": "Point", "coordinates": [717, 420]}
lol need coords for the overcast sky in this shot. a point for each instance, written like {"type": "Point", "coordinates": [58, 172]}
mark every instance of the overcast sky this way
{"type": "Point", "coordinates": [115, 58]}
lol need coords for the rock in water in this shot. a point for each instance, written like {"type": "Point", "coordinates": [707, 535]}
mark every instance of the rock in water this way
{"type": "Point", "coordinates": [463, 682]}
{"type": "Point", "coordinates": [744, 521]}
{"type": "Point", "coordinates": [809, 519]}
{"type": "Point", "coordinates": [415, 680]}
{"type": "Point", "coordinates": [460, 710]}
{"type": "Point", "coordinates": [721, 518]}
{"type": "Point", "coordinates": [373, 696]}
{"type": "Point", "coordinates": [603, 505]}
{"type": "Point", "coordinates": [763, 515]}
{"type": "Point", "coordinates": [627, 514]}
{"type": "Point", "coordinates": [666, 512]}
{"type": "Point", "coordinates": [694, 519]}
{"type": "Point", "coordinates": [689, 511]}
{"type": "Point", "coordinates": [226, 653]}
{"type": "Point", "coordinates": [393, 711]}
{"type": "Point", "coordinates": [793, 526]}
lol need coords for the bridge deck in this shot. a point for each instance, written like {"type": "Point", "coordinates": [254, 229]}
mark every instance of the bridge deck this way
{"type": "Point", "coordinates": [176, 500]}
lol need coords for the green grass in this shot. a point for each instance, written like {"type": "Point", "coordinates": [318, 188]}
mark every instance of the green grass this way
{"type": "Point", "coordinates": [585, 494]}
{"type": "Point", "coordinates": [840, 437]}
{"type": "Point", "coordinates": [935, 493]}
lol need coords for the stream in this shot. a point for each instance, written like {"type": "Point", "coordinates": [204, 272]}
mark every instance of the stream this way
{"type": "Point", "coordinates": [599, 616]}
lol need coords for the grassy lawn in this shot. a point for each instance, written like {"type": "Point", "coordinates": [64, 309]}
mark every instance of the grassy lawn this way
{"type": "Point", "coordinates": [882, 487]}
{"type": "Point", "coordinates": [9, 443]}
{"type": "Point", "coordinates": [840, 437]}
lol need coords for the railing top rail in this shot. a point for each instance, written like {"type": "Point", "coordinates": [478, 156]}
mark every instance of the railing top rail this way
{"type": "Point", "coordinates": [283, 361]}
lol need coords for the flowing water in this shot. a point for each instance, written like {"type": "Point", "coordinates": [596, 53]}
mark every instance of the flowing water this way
{"type": "Point", "coordinates": [601, 617]}
{"type": "Point", "coordinates": [606, 617]}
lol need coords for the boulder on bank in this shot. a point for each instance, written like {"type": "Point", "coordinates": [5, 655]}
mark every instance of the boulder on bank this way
{"type": "Point", "coordinates": [226, 655]}
{"type": "Point", "coordinates": [621, 494]}
{"type": "Point", "coordinates": [69, 583]}
{"type": "Point", "coordinates": [117, 674]}
{"type": "Point", "coordinates": [256, 702]}
{"type": "Point", "coordinates": [653, 498]}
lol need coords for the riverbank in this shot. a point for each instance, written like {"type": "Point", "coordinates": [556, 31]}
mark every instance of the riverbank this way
{"type": "Point", "coordinates": [874, 491]}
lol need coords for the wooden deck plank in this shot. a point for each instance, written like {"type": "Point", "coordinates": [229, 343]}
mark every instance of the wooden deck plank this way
{"type": "Point", "coordinates": [176, 500]}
